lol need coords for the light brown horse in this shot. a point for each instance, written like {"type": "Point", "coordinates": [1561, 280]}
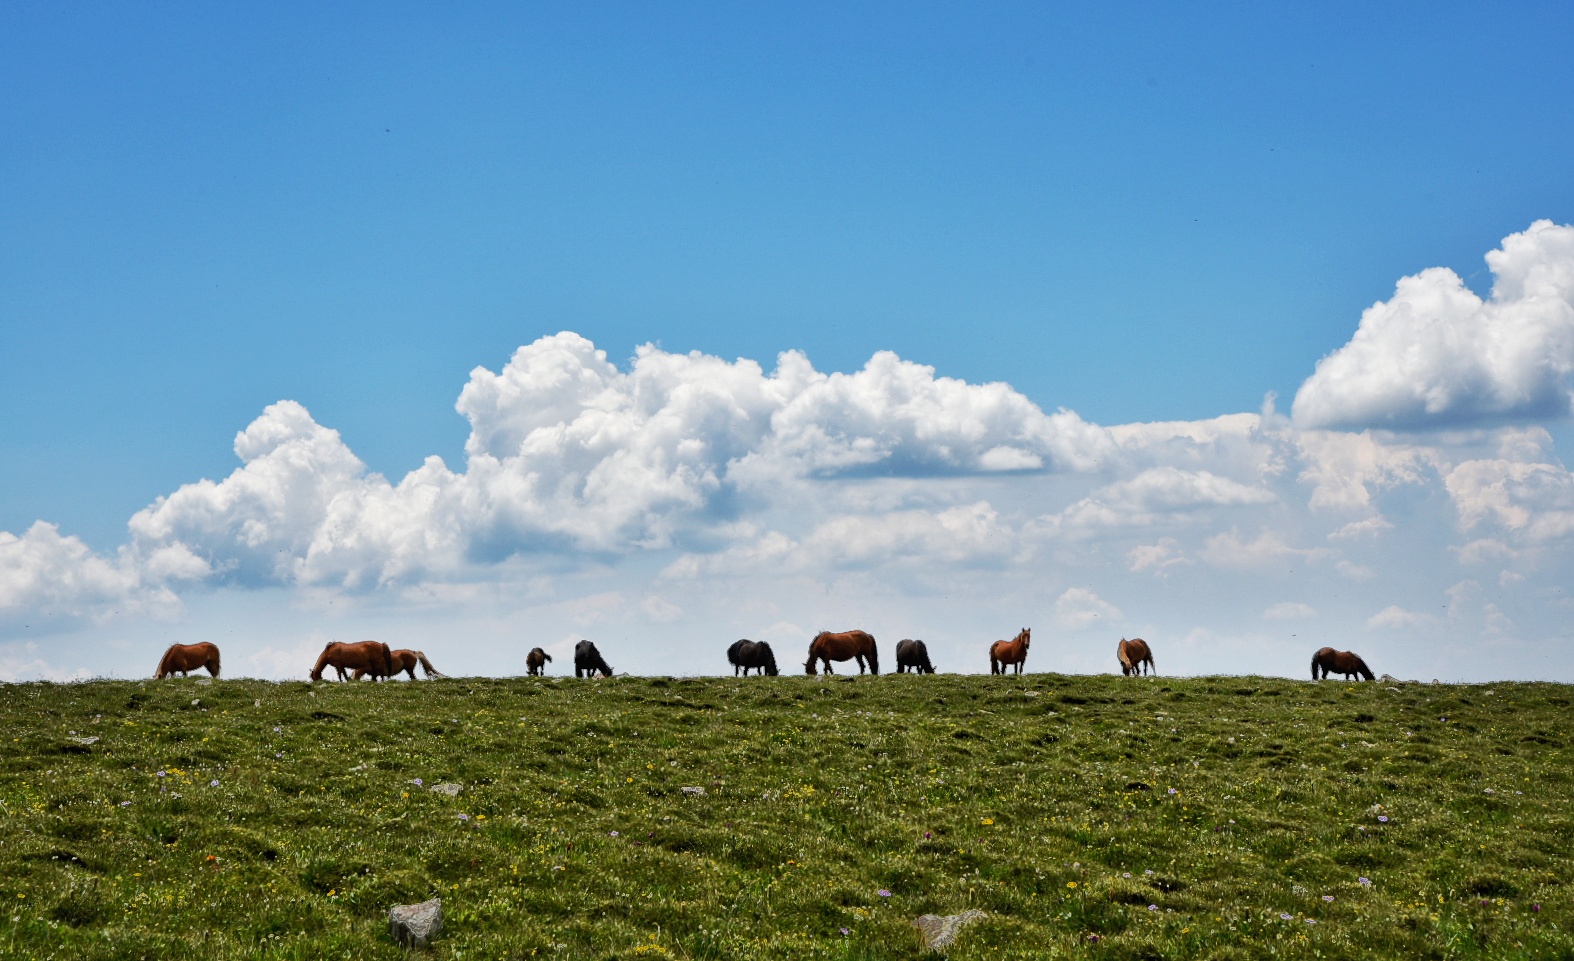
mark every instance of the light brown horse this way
{"type": "Point", "coordinates": [1002, 653]}
{"type": "Point", "coordinates": [848, 645]}
{"type": "Point", "coordinates": [1133, 654]}
{"type": "Point", "coordinates": [405, 660]}
{"type": "Point", "coordinates": [1331, 661]}
{"type": "Point", "coordinates": [186, 658]}
{"type": "Point", "coordinates": [536, 661]}
{"type": "Point", "coordinates": [368, 657]}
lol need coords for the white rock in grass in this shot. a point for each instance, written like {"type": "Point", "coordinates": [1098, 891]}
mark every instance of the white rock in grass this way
{"type": "Point", "coordinates": [693, 792]}
{"type": "Point", "coordinates": [450, 789]}
{"type": "Point", "coordinates": [939, 931]}
{"type": "Point", "coordinates": [415, 925]}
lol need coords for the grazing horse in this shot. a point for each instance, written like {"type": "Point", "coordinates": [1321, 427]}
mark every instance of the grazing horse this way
{"type": "Point", "coordinates": [406, 661]}
{"type": "Point", "coordinates": [746, 654]}
{"type": "Point", "coordinates": [1002, 653]}
{"type": "Point", "coordinates": [186, 658]}
{"type": "Point", "coordinates": [366, 657]}
{"type": "Point", "coordinates": [1133, 654]}
{"type": "Point", "coordinates": [1331, 661]}
{"type": "Point", "coordinates": [913, 654]}
{"type": "Point", "coordinates": [588, 660]}
{"type": "Point", "coordinates": [536, 661]}
{"type": "Point", "coordinates": [848, 645]}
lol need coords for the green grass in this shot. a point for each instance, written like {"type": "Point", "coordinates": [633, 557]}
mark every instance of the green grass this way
{"type": "Point", "coordinates": [1044, 800]}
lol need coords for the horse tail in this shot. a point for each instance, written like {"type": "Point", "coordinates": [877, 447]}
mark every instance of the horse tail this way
{"type": "Point", "coordinates": [214, 663]}
{"type": "Point", "coordinates": [387, 653]}
{"type": "Point", "coordinates": [546, 657]}
{"type": "Point", "coordinates": [1314, 667]}
{"type": "Point", "coordinates": [732, 652]}
{"type": "Point", "coordinates": [163, 664]}
{"type": "Point", "coordinates": [427, 665]}
{"type": "Point", "coordinates": [874, 655]}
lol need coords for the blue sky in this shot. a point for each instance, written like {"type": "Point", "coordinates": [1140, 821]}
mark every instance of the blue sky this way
{"type": "Point", "coordinates": [1137, 213]}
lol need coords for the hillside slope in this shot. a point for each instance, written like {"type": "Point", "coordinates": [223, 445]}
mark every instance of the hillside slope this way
{"type": "Point", "coordinates": [1089, 816]}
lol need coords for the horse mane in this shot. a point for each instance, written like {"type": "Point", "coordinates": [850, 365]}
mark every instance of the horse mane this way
{"type": "Point", "coordinates": [770, 657]}
{"type": "Point", "coordinates": [1361, 663]}
{"type": "Point", "coordinates": [163, 662]}
{"type": "Point", "coordinates": [1123, 652]}
{"type": "Point", "coordinates": [216, 664]}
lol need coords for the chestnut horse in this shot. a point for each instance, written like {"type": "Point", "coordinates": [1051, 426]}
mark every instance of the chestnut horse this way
{"type": "Point", "coordinates": [368, 657]}
{"type": "Point", "coordinates": [1133, 654]}
{"type": "Point", "coordinates": [1002, 653]}
{"type": "Point", "coordinates": [536, 661]}
{"type": "Point", "coordinates": [1331, 661]}
{"type": "Point", "coordinates": [746, 654]}
{"type": "Point", "coordinates": [406, 661]}
{"type": "Point", "coordinates": [848, 645]}
{"type": "Point", "coordinates": [186, 658]}
{"type": "Point", "coordinates": [915, 655]}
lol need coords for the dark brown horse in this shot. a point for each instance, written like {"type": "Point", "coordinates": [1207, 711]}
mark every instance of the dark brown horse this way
{"type": "Point", "coordinates": [1330, 661]}
{"type": "Point", "coordinates": [588, 660]}
{"type": "Point", "coordinates": [404, 660]}
{"type": "Point", "coordinates": [848, 645]}
{"type": "Point", "coordinates": [1002, 653]}
{"type": "Point", "coordinates": [746, 654]}
{"type": "Point", "coordinates": [1133, 655]}
{"type": "Point", "coordinates": [536, 661]}
{"type": "Point", "coordinates": [186, 658]}
{"type": "Point", "coordinates": [368, 657]}
{"type": "Point", "coordinates": [913, 654]}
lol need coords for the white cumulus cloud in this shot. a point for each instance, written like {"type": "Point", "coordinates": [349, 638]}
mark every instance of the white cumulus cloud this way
{"type": "Point", "coordinates": [1436, 354]}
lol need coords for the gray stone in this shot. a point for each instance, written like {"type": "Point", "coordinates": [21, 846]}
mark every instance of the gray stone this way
{"type": "Point", "coordinates": [415, 925]}
{"type": "Point", "coordinates": [939, 931]}
{"type": "Point", "coordinates": [450, 789]}
{"type": "Point", "coordinates": [85, 740]}
{"type": "Point", "coordinates": [693, 791]}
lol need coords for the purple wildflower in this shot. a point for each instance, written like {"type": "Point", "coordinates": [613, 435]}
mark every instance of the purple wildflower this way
{"type": "Point", "coordinates": [213, 783]}
{"type": "Point", "coordinates": [845, 932]}
{"type": "Point", "coordinates": [1284, 917]}
{"type": "Point", "coordinates": [883, 893]}
{"type": "Point", "coordinates": [1328, 897]}
{"type": "Point", "coordinates": [1153, 907]}
{"type": "Point", "coordinates": [612, 834]}
{"type": "Point", "coordinates": [1382, 819]}
{"type": "Point", "coordinates": [1364, 882]}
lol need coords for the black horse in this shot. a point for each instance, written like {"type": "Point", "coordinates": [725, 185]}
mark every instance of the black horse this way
{"type": "Point", "coordinates": [746, 654]}
{"type": "Point", "coordinates": [588, 660]}
{"type": "Point", "coordinates": [913, 654]}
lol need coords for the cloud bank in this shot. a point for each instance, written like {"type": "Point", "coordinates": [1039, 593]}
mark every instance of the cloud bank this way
{"type": "Point", "coordinates": [686, 489]}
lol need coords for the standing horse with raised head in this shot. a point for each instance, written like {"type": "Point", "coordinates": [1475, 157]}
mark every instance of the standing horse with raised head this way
{"type": "Point", "coordinates": [846, 646]}
{"type": "Point", "coordinates": [746, 654]}
{"type": "Point", "coordinates": [368, 657]}
{"type": "Point", "coordinates": [185, 658]}
{"type": "Point", "coordinates": [1003, 653]}
{"type": "Point", "coordinates": [405, 660]}
{"type": "Point", "coordinates": [1133, 655]}
{"type": "Point", "coordinates": [588, 660]}
{"type": "Point", "coordinates": [1330, 661]}
{"type": "Point", "coordinates": [913, 654]}
{"type": "Point", "coordinates": [536, 661]}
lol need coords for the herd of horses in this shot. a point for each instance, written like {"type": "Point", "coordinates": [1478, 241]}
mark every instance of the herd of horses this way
{"type": "Point", "coordinates": [376, 660]}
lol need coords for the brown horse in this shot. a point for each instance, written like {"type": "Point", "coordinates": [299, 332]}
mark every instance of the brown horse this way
{"type": "Point", "coordinates": [848, 645]}
{"type": "Point", "coordinates": [1133, 654]}
{"type": "Point", "coordinates": [186, 658]}
{"type": "Point", "coordinates": [368, 657]}
{"type": "Point", "coordinates": [1331, 661]}
{"type": "Point", "coordinates": [1014, 651]}
{"type": "Point", "coordinates": [536, 661]}
{"type": "Point", "coordinates": [406, 661]}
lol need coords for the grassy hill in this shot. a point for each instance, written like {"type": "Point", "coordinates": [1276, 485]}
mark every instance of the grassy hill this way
{"type": "Point", "coordinates": [1092, 817]}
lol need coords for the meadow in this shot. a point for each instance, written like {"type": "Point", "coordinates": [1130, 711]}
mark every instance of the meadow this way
{"type": "Point", "coordinates": [1090, 817]}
